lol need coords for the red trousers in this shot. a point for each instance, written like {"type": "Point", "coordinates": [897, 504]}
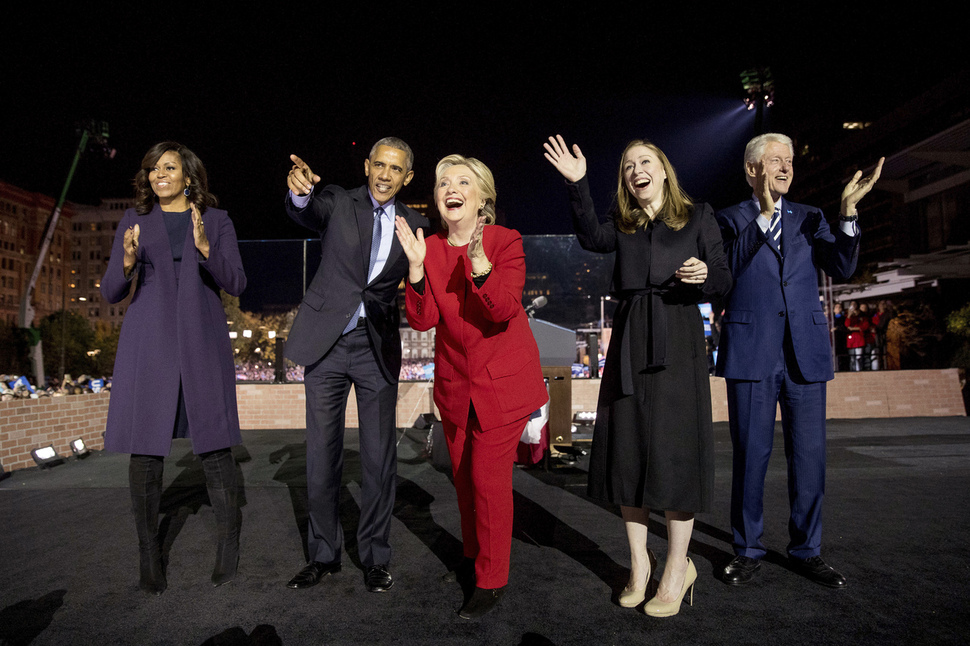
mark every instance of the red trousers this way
{"type": "Point", "coordinates": [482, 463]}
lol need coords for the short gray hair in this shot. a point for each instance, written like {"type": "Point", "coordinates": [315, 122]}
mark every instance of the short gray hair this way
{"type": "Point", "coordinates": [393, 142]}
{"type": "Point", "coordinates": [756, 148]}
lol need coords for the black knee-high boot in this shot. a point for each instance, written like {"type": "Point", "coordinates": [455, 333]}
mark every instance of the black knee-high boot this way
{"type": "Point", "coordinates": [220, 480]}
{"type": "Point", "coordinates": [145, 483]}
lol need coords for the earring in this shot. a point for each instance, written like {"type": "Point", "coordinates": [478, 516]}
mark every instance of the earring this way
{"type": "Point", "coordinates": [186, 191]}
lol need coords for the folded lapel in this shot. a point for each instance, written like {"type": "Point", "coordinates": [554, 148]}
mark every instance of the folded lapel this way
{"type": "Point", "coordinates": [365, 226]}
{"type": "Point", "coordinates": [790, 223]}
{"type": "Point", "coordinates": [396, 249]}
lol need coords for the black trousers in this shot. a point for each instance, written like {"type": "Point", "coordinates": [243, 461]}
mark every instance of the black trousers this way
{"type": "Point", "coordinates": [327, 383]}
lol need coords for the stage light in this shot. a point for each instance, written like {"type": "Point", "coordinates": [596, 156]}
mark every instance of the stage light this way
{"type": "Point", "coordinates": [233, 334]}
{"type": "Point", "coordinates": [79, 449]}
{"type": "Point", "coordinates": [248, 334]}
{"type": "Point", "coordinates": [271, 334]}
{"type": "Point", "coordinates": [46, 457]}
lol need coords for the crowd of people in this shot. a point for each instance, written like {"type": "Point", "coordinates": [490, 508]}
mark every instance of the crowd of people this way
{"type": "Point", "coordinates": [411, 370]}
{"type": "Point", "coordinates": [19, 387]}
{"type": "Point", "coordinates": [861, 336]}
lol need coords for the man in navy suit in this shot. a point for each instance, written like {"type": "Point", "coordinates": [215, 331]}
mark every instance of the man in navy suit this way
{"type": "Point", "coordinates": [775, 349]}
{"type": "Point", "coordinates": [347, 332]}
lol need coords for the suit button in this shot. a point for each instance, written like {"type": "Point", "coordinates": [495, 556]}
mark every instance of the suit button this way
{"type": "Point", "coordinates": [785, 284]}
{"type": "Point", "coordinates": [781, 313]}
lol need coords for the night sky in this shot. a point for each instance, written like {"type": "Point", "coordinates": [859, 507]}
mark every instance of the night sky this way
{"type": "Point", "coordinates": [245, 89]}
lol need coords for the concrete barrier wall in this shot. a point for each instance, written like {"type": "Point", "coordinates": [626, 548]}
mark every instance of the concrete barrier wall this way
{"type": "Point", "coordinates": [28, 424]}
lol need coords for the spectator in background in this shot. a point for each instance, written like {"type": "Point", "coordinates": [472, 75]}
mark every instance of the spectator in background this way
{"type": "Point", "coordinates": [857, 324]}
{"type": "Point", "coordinates": [880, 322]}
{"type": "Point", "coordinates": [869, 334]}
{"type": "Point", "coordinates": [840, 334]}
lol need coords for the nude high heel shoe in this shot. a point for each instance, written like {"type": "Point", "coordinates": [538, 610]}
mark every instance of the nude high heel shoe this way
{"type": "Point", "coordinates": [633, 598]}
{"type": "Point", "coordinates": [656, 608]}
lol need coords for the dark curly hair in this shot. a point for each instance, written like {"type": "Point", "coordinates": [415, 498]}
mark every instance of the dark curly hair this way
{"type": "Point", "coordinates": [192, 169]}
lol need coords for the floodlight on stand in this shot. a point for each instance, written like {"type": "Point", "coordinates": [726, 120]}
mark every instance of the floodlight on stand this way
{"type": "Point", "coordinates": [79, 449]}
{"type": "Point", "coordinates": [46, 457]}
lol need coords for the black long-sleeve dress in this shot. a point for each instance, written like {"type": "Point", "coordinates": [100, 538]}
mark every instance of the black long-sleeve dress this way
{"type": "Point", "coordinates": [653, 444]}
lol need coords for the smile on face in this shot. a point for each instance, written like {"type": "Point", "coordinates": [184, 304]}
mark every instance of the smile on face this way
{"type": "Point", "coordinates": [644, 176]}
{"type": "Point", "coordinates": [777, 162]}
{"type": "Point", "coordinates": [167, 180]}
{"type": "Point", "coordinates": [387, 173]}
{"type": "Point", "coordinates": [457, 194]}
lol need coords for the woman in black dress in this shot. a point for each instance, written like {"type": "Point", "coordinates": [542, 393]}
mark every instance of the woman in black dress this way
{"type": "Point", "coordinates": [653, 445]}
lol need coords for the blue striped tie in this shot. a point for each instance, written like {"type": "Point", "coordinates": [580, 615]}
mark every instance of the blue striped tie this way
{"type": "Point", "coordinates": [774, 230]}
{"type": "Point", "coordinates": [375, 248]}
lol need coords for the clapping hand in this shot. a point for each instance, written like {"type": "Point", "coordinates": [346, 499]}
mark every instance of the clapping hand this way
{"type": "Point", "coordinates": [198, 232]}
{"type": "Point", "coordinates": [300, 179]}
{"type": "Point", "coordinates": [476, 249]}
{"type": "Point", "coordinates": [415, 248]}
{"type": "Point", "coordinates": [571, 166]}
{"type": "Point", "coordinates": [762, 189]}
{"type": "Point", "coordinates": [131, 248]}
{"type": "Point", "coordinates": [857, 188]}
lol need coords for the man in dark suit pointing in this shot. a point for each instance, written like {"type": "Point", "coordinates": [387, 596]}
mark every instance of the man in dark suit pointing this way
{"type": "Point", "coordinates": [347, 332]}
{"type": "Point", "coordinates": [775, 349]}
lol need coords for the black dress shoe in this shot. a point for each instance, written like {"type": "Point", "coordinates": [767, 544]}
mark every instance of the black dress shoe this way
{"type": "Point", "coordinates": [481, 602]}
{"type": "Point", "coordinates": [815, 569]}
{"type": "Point", "coordinates": [463, 573]}
{"type": "Point", "coordinates": [740, 570]}
{"type": "Point", "coordinates": [310, 575]}
{"type": "Point", "coordinates": [378, 579]}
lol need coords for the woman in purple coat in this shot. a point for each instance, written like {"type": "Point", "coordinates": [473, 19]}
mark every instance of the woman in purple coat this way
{"type": "Point", "coordinates": [174, 374]}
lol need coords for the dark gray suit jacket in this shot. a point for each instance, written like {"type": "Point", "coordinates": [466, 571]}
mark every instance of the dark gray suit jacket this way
{"type": "Point", "coordinates": [345, 221]}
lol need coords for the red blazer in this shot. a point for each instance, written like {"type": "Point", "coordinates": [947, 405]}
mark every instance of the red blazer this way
{"type": "Point", "coordinates": [484, 349]}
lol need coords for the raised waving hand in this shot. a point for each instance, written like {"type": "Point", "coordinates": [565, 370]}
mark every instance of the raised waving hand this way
{"type": "Point", "coordinates": [572, 165]}
{"type": "Point", "coordinates": [857, 188]}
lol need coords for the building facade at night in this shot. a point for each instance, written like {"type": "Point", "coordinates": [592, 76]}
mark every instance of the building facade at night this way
{"type": "Point", "coordinates": [23, 221]}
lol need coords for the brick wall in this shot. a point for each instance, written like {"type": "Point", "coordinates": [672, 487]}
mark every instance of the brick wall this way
{"type": "Point", "coordinates": [851, 395]}
{"type": "Point", "coordinates": [27, 424]}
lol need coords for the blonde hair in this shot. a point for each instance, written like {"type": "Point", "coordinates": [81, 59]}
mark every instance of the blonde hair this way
{"type": "Point", "coordinates": [675, 209]}
{"type": "Point", "coordinates": [483, 177]}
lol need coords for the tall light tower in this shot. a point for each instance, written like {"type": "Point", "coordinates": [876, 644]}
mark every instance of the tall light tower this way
{"type": "Point", "coordinates": [97, 133]}
{"type": "Point", "coordinates": [759, 88]}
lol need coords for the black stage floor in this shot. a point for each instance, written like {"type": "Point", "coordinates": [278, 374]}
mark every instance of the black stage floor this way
{"type": "Point", "coordinates": [897, 525]}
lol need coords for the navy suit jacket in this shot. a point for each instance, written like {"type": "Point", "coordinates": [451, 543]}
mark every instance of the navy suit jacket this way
{"type": "Point", "coordinates": [345, 221]}
{"type": "Point", "coordinates": [771, 290]}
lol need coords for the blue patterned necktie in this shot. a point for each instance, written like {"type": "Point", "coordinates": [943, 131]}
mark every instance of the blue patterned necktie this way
{"type": "Point", "coordinates": [375, 249]}
{"type": "Point", "coordinates": [774, 230]}
{"type": "Point", "coordinates": [375, 242]}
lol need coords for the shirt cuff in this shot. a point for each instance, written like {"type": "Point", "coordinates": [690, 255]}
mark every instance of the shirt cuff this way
{"type": "Point", "coordinates": [850, 229]}
{"type": "Point", "coordinates": [300, 201]}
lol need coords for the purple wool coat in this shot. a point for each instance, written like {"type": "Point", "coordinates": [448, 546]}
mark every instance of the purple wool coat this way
{"type": "Point", "coordinates": [173, 332]}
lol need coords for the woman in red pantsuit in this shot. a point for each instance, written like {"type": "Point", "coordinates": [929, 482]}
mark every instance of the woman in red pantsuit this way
{"type": "Point", "coordinates": [466, 281]}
